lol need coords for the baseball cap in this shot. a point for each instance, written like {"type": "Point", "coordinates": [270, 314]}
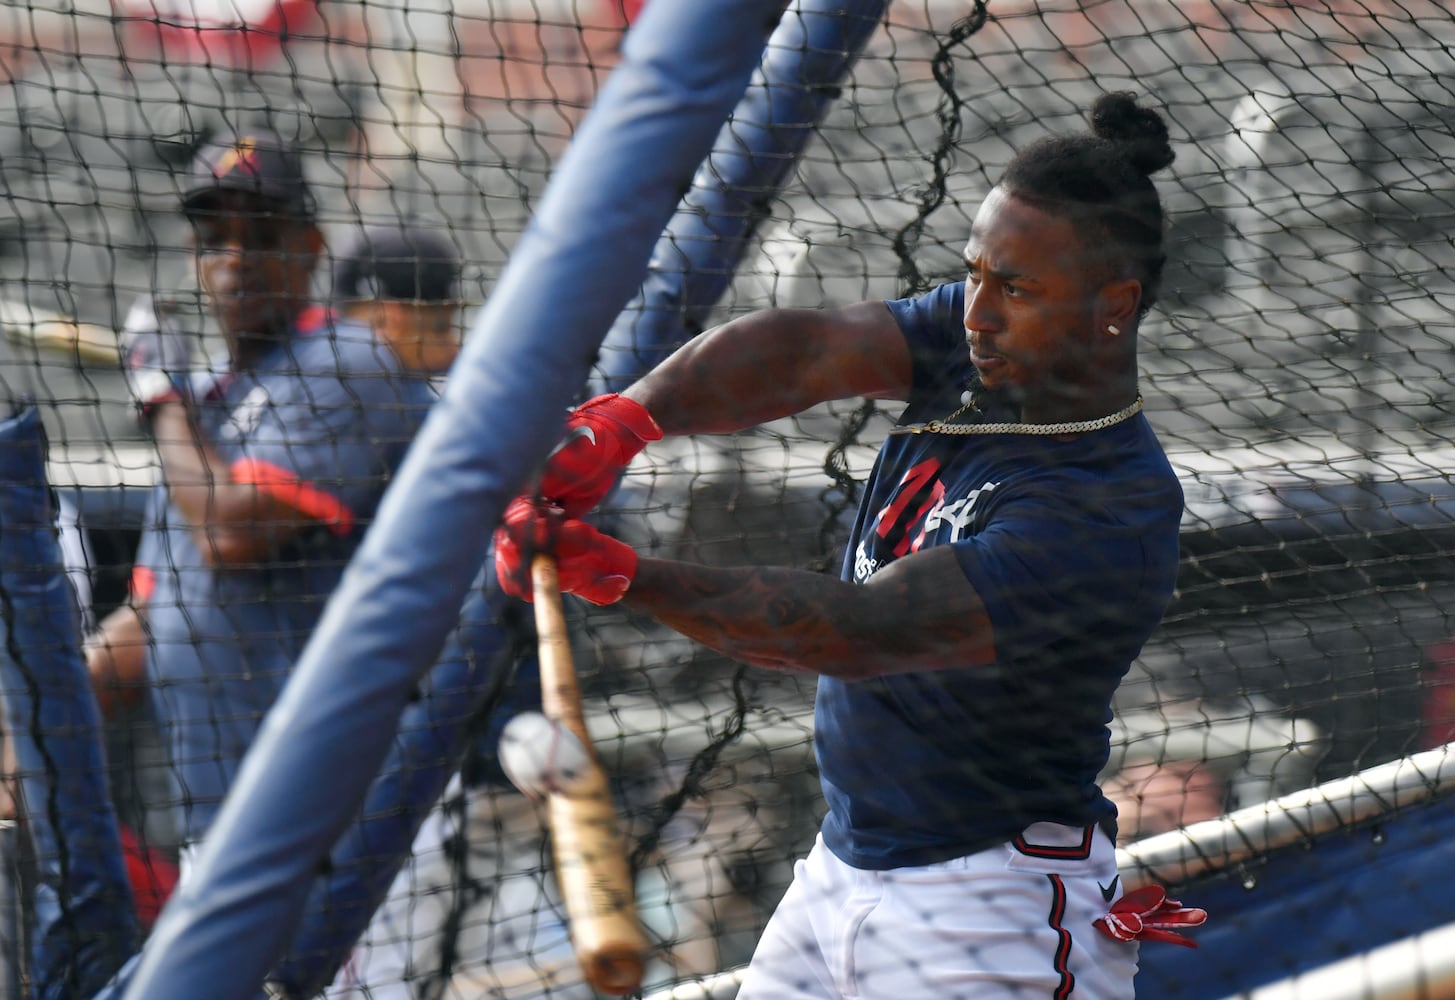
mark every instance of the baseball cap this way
{"type": "Point", "coordinates": [404, 263]}
{"type": "Point", "coordinates": [257, 161]}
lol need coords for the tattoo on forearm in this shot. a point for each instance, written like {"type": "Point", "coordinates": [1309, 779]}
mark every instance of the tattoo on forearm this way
{"type": "Point", "coordinates": [791, 619]}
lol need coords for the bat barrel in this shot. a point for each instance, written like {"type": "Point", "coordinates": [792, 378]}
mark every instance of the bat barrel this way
{"type": "Point", "coordinates": [590, 855]}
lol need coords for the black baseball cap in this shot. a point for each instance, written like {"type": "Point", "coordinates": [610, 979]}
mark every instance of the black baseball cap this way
{"type": "Point", "coordinates": [404, 263]}
{"type": "Point", "coordinates": [258, 161]}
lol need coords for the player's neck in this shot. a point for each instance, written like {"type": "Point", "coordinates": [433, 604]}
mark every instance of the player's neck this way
{"type": "Point", "coordinates": [1088, 401]}
{"type": "Point", "coordinates": [246, 350]}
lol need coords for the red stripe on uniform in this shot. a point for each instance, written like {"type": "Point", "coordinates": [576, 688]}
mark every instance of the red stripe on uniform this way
{"type": "Point", "coordinates": [1080, 852]}
{"type": "Point", "coordinates": [313, 319]}
{"type": "Point", "coordinates": [143, 583]}
{"type": "Point", "coordinates": [1063, 945]}
{"type": "Point", "coordinates": [284, 486]}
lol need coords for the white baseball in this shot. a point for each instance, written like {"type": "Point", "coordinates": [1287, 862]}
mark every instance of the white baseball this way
{"type": "Point", "coordinates": [541, 756]}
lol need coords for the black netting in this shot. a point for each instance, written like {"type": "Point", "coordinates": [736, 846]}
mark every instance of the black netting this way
{"type": "Point", "coordinates": [1296, 370]}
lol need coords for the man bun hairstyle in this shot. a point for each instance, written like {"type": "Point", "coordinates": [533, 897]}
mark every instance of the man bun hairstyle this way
{"type": "Point", "coordinates": [1140, 132]}
{"type": "Point", "coordinates": [1101, 180]}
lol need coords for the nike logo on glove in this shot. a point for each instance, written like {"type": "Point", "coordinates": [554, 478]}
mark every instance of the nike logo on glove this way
{"type": "Point", "coordinates": [1108, 891]}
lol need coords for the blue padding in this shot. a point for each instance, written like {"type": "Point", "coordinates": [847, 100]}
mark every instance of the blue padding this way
{"type": "Point", "coordinates": [85, 919]}
{"type": "Point", "coordinates": [808, 56]}
{"type": "Point", "coordinates": [471, 676]}
{"type": "Point", "coordinates": [1350, 893]}
{"type": "Point", "coordinates": [683, 68]}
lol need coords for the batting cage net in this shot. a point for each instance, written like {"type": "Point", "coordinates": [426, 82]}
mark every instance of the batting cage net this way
{"type": "Point", "coordinates": [1277, 749]}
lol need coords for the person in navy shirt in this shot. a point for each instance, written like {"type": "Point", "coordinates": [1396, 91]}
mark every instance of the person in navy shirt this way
{"type": "Point", "coordinates": [1015, 546]}
{"type": "Point", "coordinates": [272, 464]}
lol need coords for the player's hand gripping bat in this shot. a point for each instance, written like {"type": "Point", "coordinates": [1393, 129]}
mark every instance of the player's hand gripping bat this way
{"type": "Point", "coordinates": [590, 854]}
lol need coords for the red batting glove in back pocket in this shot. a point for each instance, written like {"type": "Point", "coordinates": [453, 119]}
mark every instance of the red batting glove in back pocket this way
{"type": "Point", "coordinates": [1148, 915]}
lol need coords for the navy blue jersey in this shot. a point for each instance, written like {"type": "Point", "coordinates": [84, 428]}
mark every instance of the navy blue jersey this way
{"type": "Point", "coordinates": [321, 422]}
{"type": "Point", "coordinates": [1073, 547]}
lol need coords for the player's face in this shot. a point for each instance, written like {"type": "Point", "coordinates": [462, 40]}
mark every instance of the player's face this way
{"type": "Point", "coordinates": [254, 264]}
{"type": "Point", "coordinates": [424, 335]}
{"type": "Point", "coordinates": [1029, 298]}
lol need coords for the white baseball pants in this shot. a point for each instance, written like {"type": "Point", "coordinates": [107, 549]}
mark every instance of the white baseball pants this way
{"type": "Point", "coordinates": [1010, 922]}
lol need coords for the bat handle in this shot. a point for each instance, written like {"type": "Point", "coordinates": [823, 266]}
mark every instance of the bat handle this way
{"type": "Point", "coordinates": [560, 690]}
{"type": "Point", "coordinates": [546, 583]}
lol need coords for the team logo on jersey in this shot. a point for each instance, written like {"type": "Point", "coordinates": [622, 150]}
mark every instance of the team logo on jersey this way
{"type": "Point", "coordinates": [957, 513]}
{"type": "Point", "coordinates": [917, 493]}
{"type": "Point", "coordinates": [917, 507]}
{"type": "Point", "coordinates": [246, 415]}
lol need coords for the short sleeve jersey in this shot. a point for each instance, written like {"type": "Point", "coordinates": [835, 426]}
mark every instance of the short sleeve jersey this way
{"type": "Point", "coordinates": [1072, 544]}
{"type": "Point", "coordinates": [321, 422]}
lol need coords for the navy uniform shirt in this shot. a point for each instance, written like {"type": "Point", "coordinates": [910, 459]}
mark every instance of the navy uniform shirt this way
{"type": "Point", "coordinates": [321, 422]}
{"type": "Point", "coordinates": [1073, 547]}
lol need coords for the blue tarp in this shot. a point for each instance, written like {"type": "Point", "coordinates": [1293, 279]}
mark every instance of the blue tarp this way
{"type": "Point", "coordinates": [1352, 892]}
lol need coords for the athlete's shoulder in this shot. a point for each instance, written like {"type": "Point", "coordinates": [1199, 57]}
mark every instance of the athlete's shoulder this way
{"type": "Point", "coordinates": [346, 351]}
{"type": "Point", "coordinates": [337, 363]}
{"type": "Point", "coordinates": [933, 324]}
{"type": "Point", "coordinates": [1151, 464]}
{"type": "Point", "coordinates": [941, 303]}
{"type": "Point", "coordinates": [1101, 475]}
{"type": "Point", "coordinates": [338, 344]}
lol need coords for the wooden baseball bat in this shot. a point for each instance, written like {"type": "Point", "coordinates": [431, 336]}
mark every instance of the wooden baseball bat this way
{"type": "Point", "coordinates": [590, 853]}
{"type": "Point", "coordinates": [57, 332]}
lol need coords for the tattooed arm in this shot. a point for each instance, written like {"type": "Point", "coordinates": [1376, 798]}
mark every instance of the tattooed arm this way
{"type": "Point", "coordinates": [775, 363]}
{"type": "Point", "coordinates": [919, 613]}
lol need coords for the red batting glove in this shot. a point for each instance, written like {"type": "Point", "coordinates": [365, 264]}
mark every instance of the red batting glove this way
{"type": "Point", "coordinates": [1148, 915]}
{"type": "Point", "coordinates": [525, 529]}
{"type": "Point", "coordinates": [579, 475]}
{"type": "Point", "coordinates": [593, 566]}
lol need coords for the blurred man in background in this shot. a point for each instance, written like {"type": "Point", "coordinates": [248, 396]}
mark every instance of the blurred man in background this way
{"type": "Point", "coordinates": [272, 464]}
{"type": "Point", "coordinates": [1157, 796]}
{"type": "Point", "coordinates": [404, 282]}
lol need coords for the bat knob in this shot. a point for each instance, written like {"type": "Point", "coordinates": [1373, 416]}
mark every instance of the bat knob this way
{"type": "Point", "coordinates": [618, 971]}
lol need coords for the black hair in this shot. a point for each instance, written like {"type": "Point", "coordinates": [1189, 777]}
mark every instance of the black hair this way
{"type": "Point", "coordinates": [1101, 180]}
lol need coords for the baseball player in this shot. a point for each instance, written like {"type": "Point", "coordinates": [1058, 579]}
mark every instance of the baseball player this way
{"type": "Point", "coordinates": [1016, 544]}
{"type": "Point", "coordinates": [405, 282]}
{"type": "Point", "coordinates": [272, 465]}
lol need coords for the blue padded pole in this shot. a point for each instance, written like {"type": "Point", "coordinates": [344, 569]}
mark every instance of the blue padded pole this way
{"type": "Point", "coordinates": [807, 57]}
{"type": "Point", "coordinates": [85, 918]}
{"type": "Point", "coordinates": [683, 68]}
{"type": "Point", "coordinates": [432, 739]}
{"type": "Point", "coordinates": [806, 61]}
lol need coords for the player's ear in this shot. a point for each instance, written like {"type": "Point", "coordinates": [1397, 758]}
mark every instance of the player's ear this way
{"type": "Point", "coordinates": [1116, 306]}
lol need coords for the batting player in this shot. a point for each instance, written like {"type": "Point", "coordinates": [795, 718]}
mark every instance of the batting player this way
{"type": "Point", "coordinates": [272, 465]}
{"type": "Point", "coordinates": [1016, 544]}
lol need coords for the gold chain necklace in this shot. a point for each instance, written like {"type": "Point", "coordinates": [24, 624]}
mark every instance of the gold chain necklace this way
{"type": "Point", "coordinates": [945, 426]}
